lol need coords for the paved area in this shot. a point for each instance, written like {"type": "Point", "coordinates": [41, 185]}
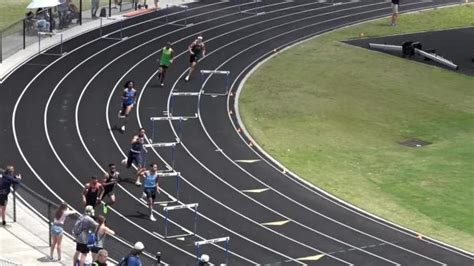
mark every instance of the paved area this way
{"type": "Point", "coordinates": [26, 241]}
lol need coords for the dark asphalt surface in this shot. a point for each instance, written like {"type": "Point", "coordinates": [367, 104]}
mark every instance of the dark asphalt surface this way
{"type": "Point", "coordinates": [56, 122]}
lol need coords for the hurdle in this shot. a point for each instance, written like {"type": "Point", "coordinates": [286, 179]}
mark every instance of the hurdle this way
{"type": "Point", "coordinates": [217, 72]}
{"type": "Point", "coordinates": [175, 22]}
{"type": "Point", "coordinates": [107, 36]}
{"type": "Point", "coordinates": [180, 207]}
{"type": "Point", "coordinates": [183, 94]}
{"type": "Point", "coordinates": [167, 118]}
{"type": "Point", "coordinates": [198, 245]}
{"type": "Point", "coordinates": [255, 6]}
{"type": "Point", "coordinates": [171, 145]}
{"type": "Point", "coordinates": [50, 34]}
{"type": "Point", "coordinates": [170, 174]}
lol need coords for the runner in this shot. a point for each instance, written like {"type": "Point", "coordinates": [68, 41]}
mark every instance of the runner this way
{"type": "Point", "coordinates": [197, 50]}
{"type": "Point", "coordinates": [167, 54]}
{"type": "Point", "coordinates": [135, 155]}
{"type": "Point", "coordinates": [92, 193]}
{"type": "Point", "coordinates": [150, 185]}
{"type": "Point", "coordinates": [395, 6]}
{"type": "Point", "coordinates": [128, 101]}
{"type": "Point", "coordinates": [111, 178]}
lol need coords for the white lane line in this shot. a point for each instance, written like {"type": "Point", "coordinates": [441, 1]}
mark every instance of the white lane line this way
{"type": "Point", "coordinates": [229, 185]}
{"type": "Point", "coordinates": [310, 187]}
{"type": "Point", "coordinates": [21, 150]}
{"type": "Point", "coordinates": [374, 237]}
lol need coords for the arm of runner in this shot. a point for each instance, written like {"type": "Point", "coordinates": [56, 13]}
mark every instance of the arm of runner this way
{"type": "Point", "coordinates": [101, 192]}
{"type": "Point", "coordinates": [109, 231]}
{"type": "Point", "coordinates": [190, 48]}
{"type": "Point", "coordinates": [203, 50]}
{"type": "Point", "coordinates": [84, 192]}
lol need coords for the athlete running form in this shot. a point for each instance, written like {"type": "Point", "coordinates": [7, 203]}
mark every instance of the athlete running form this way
{"type": "Point", "coordinates": [128, 101]}
{"type": "Point", "coordinates": [92, 193]}
{"type": "Point", "coordinates": [166, 59]}
{"type": "Point", "coordinates": [135, 154]}
{"type": "Point", "coordinates": [150, 186]}
{"type": "Point", "coordinates": [111, 178]}
{"type": "Point", "coordinates": [197, 50]}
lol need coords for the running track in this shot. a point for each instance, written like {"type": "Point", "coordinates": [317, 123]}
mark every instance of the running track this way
{"type": "Point", "coordinates": [57, 112]}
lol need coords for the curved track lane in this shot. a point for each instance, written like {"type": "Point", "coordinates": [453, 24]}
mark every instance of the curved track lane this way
{"type": "Point", "coordinates": [62, 119]}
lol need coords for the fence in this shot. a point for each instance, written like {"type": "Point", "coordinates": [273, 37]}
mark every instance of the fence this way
{"type": "Point", "coordinates": [45, 209]}
{"type": "Point", "coordinates": [24, 32]}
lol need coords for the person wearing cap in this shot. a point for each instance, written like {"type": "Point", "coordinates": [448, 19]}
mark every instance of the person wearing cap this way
{"type": "Point", "coordinates": [197, 50]}
{"type": "Point", "coordinates": [166, 59]}
{"type": "Point", "coordinates": [87, 225]}
{"type": "Point", "coordinates": [203, 260]}
{"type": "Point", "coordinates": [133, 258]}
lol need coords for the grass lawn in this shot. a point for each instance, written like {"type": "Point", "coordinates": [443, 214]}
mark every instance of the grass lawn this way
{"type": "Point", "coordinates": [339, 112]}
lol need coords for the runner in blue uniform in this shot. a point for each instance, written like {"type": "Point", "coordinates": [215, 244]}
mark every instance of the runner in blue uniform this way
{"type": "Point", "coordinates": [135, 154]}
{"type": "Point", "coordinates": [150, 185]}
{"type": "Point", "coordinates": [128, 101]}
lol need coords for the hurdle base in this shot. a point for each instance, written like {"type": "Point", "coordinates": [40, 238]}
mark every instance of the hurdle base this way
{"type": "Point", "coordinates": [180, 235]}
{"type": "Point", "coordinates": [215, 94]}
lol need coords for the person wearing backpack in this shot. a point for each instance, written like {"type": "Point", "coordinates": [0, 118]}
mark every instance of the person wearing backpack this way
{"type": "Point", "coordinates": [83, 230]}
{"type": "Point", "coordinates": [133, 258]}
{"type": "Point", "coordinates": [100, 233]}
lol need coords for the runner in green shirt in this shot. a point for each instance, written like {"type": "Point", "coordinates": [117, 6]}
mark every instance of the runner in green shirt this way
{"type": "Point", "coordinates": [166, 59]}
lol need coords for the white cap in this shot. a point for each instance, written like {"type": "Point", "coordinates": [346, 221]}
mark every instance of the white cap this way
{"type": "Point", "coordinates": [139, 246]}
{"type": "Point", "coordinates": [199, 37]}
{"type": "Point", "coordinates": [89, 210]}
{"type": "Point", "coordinates": [204, 258]}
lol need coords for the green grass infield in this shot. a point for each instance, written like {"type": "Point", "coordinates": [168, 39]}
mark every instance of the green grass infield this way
{"type": "Point", "coordinates": [334, 114]}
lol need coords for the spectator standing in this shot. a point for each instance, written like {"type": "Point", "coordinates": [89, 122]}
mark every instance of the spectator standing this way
{"type": "Point", "coordinates": [94, 8]}
{"type": "Point", "coordinates": [128, 101]}
{"type": "Point", "coordinates": [101, 232]}
{"type": "Point", "coordinates": [166, 59]}
{"type": "Point", "coordinates": [197, 50]}
{"type": "Point", "coordinates": [8, 178]}
{"type": "Point", "coordinates": [133, 258]}
{"type": "Point", "coordinates": [57, 229]}
{"type": "Point", "coordinates": [395, 6]}
{"type": "Point", "coordinates": [83, 227]}
{"type": "Point", "coordinates": [135, 154]}
{"type": "Point", "coordinates": [63, 9]}
{"type": "Point", "coordinates": [102, 257]}
{"type": "Point", "coordinates": [93, 193]}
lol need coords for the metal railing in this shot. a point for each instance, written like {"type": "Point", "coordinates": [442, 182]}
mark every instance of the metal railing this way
{"type": "Point", "coordinates": [25, 32]}
{"type": "Point", "coordinates": [44, 208]}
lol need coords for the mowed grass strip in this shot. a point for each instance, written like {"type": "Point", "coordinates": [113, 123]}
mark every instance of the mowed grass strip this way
{"type": "Point", "coordinates": [334, 114]}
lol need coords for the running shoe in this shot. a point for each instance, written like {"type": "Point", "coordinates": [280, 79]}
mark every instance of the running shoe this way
{"type": "Point", "coordinates": [152, 218]}
{"type": "Point", "coordinates": [122, 128]}
{"type": "Point", "coordinates": [186, 78]}
{"type": "Point", "coordinates": [138, 183]}
{"type": "Point", "coordinates": [162, 84]}
{"type": "Point", "coordinates": [124, 161]}
{"type": "Point", "coordinates": [120, 114]}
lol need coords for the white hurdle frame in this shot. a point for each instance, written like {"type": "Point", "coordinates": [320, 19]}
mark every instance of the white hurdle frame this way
{"type": "Point", "coordinates": [171, 145]}
{"type": "Point", "coordinates": [179, 207]}
{"type": "Point", "coordinates": [252, 10]}
{"type": "Point", "coordinates": [170, 174]}
{"type": "Point", "coordinates": [186, 15]}
{"type": "Point", "coordinates": [107, 35]}
{"type": "Point", "coordinates": [183, 94]}
{"type": "Point", "coordinates": [50, 34]}
{"type": "Point", "coordinates": [198, 244]}
{"type": "Point", "coordinates": [215, 72]}
{"type": "Point", "coordinates": [167, 118]}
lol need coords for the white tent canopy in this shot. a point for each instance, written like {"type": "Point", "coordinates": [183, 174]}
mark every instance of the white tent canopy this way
{"type": "Point", "coordinates": [43, 3]}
